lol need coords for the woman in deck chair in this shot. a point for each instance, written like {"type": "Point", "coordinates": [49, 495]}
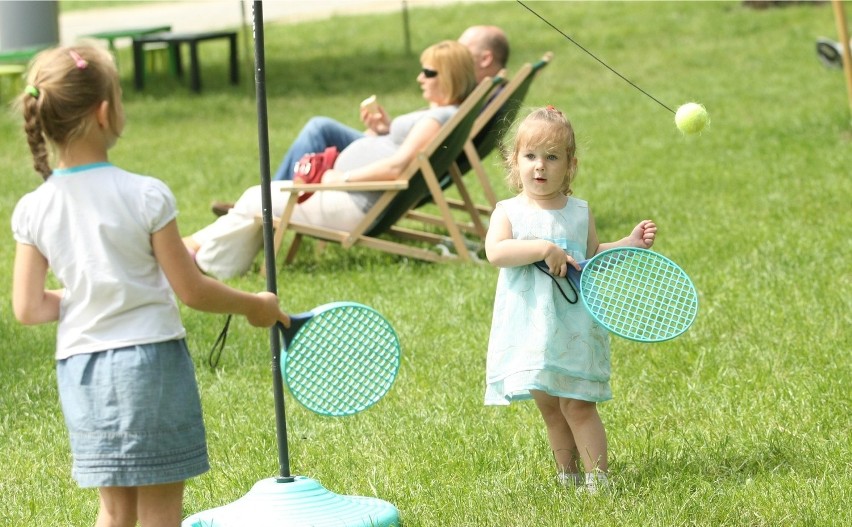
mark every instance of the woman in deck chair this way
{"type": "Point", "coordinates": [228, 246]}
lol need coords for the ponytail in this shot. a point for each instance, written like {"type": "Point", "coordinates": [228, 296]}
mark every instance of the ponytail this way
{"type": "Point", "coordinates": [65, 86]}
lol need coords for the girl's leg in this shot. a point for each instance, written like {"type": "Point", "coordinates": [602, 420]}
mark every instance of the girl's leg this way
{"type": "Point", "coordinates": [588, 431]}
{"type": "Point", "coordinates": [558, 434]}
{"type": "Point", "coordinates": [118, 507]}
{"type": "Point", "coordinates": [161, 505]}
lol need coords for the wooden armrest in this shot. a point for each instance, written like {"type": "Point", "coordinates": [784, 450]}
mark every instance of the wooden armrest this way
{"type": "Point", "coordinates": [352, 186]}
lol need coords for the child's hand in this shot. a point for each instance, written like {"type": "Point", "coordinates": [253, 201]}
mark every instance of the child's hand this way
{"type": "Point", "coordinates": [558, 261]}
{"type": "Point", "coordinates": [268, 312]}
{"type": "Point", "coordinates": [643, 235]}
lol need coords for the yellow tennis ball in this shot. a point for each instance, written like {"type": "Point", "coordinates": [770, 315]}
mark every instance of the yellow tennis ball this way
{"type": "Point", "coordinates": [691, 118]}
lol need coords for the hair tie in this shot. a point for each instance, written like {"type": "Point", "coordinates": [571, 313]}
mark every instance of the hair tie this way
{"type": "Point", "coordinates": [78, 60]}
{"type": "Point", "coordinates": [551, 108]}
{"type": "Point", "coordinates": [31, 91]}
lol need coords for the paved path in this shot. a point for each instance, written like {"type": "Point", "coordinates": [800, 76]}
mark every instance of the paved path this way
{"type": "Point", "coordinates": [204, 15]}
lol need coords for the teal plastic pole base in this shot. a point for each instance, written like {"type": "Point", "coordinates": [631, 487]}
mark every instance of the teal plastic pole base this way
{"type": "Point", "coordinates": [302, 502]}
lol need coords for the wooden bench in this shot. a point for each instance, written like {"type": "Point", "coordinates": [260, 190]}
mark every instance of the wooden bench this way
{"type": "Point", "coordinates": [174, 41]}
{"type": "Point", "coordinates": [116, 34]}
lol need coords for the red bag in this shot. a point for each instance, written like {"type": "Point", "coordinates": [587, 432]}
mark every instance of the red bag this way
{"type": "Point", "coordinates": [312, 166]}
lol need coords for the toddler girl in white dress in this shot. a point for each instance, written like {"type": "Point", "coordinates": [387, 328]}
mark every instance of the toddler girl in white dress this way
{"type": "Point", "coordinates": [542, 346]}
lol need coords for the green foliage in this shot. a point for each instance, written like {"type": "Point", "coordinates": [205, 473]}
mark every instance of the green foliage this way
{"type": "Point", "coordinates": [743, 421]}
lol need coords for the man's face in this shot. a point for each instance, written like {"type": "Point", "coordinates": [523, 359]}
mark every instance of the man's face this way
{"type": "Point", "coordinates": [470, 39]}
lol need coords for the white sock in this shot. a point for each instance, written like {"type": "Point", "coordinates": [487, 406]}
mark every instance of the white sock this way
{"type": "Point", "coordinates": [570, 479]}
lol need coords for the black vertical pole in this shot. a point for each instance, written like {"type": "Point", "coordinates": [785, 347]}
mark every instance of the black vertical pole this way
{"type": "Point", "coordinates": [266, 200]}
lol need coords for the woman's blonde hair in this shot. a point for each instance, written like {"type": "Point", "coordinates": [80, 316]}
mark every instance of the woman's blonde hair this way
{"type": "Point", "coordinates": [547, 126]}
{"type": "Point", "coordinates": [64, 86]}
{"type": "Point", "coordinates": [454, 64]}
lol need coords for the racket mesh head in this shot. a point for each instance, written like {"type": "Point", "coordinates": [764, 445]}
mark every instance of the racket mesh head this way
{"type": "Point", "coordinates": [342, 361]}
{"type": "Point", "coordinates": [639, 294]}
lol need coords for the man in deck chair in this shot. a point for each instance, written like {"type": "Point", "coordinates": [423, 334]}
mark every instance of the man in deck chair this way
{"type": "Point", "coordinates": [490, 49]}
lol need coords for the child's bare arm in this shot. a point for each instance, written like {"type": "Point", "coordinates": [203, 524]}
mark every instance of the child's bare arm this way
{"type": "Point", "coordinates": [504, 251]}
{"type": "Point", "coordinates": [32, 303]}
{"type": "Point", "coordinates": [642, 236]}
{"type": "Point", "coordinates": [204, 293]}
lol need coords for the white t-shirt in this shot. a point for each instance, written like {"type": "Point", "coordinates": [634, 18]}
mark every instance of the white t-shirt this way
{"type": "Point", "coordinates": [93, 223]}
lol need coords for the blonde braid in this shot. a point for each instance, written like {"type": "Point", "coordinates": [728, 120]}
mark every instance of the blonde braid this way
{"type": "Point", "coordinates": [35, 137]}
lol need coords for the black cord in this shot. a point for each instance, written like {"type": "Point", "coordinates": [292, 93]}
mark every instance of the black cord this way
{"type": "Point", "coordinates": [607, 66]}
{"type": "Point", "coordinates": [541, 266]}
{"type": "Point", "coordinates": [216, 351]}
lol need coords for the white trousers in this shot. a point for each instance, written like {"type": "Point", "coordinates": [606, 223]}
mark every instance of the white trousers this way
{"type": "Point", "coordinates": [229, 245]}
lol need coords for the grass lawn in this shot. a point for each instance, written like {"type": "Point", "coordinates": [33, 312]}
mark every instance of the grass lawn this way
{"type": "Point", "coordinates": [745, 420]}
{"type": "Point", "coordinates": [67, 6]}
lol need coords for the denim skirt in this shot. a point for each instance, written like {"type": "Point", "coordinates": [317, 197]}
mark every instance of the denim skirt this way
{"type": "Point", "coordinates": [133, 415]}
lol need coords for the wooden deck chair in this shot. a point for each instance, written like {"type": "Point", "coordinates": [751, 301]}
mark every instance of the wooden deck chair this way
{"type": "Point", "coordinates": [495, 120]}
{"type": "Point", "coordinates": [488, 130]}
{"type": "Point", "coordinates": [419, 180]}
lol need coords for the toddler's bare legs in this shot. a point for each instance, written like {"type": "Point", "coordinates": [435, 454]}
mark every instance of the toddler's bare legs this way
{"type": "Point", "coordinates": [576, 435]}
{"type": "Point", "coordinates": [559, 434]}
{"type": "Point", "coordinates": [589, 433]}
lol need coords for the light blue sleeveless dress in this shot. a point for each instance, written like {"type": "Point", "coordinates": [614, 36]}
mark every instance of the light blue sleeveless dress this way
{"type": "Point", "coordinates": [539, 341]}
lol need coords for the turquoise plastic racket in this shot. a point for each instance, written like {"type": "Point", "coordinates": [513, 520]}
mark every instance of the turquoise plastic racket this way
{"type": "Point", "coordinates": [340, 358]}
{"type": "Point", "coordinates": [635, 293]}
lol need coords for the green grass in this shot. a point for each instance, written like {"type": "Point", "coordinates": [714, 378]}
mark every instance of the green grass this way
{"type": "Point", "coordinates": [67, 6]}
{"type": "Point", "coordinates": [745, 420]}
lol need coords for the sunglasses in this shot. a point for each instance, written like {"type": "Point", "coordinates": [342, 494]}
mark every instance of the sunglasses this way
{"type": "Point", "coordinates": [429, 74]}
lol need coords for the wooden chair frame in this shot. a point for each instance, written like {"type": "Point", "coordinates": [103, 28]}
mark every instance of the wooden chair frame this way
{"type": "Point", "coordinates": [499, 115]}
{"type": "Point", "coordinates": [418, 181]}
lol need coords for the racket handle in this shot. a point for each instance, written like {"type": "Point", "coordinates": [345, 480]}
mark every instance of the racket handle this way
{"type": "Point", "coordinates": [573, 275]}
{"type": "Point", "coordinates": [296, 323]}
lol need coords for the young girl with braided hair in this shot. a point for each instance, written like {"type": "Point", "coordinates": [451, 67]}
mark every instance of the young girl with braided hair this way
{"type": "Point", "coordinates": [541, 346]}
{"type": "Point", "coordinates": [126, 380]}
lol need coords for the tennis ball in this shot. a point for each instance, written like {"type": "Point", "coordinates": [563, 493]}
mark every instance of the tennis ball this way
{"type": "Point", "coordinates": [691, 118]}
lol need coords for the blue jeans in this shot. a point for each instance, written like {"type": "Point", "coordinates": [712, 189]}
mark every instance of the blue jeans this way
{"type": "Point", "coordinates": [317, 135]}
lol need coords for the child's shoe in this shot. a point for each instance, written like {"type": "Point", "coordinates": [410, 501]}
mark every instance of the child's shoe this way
{"type": "Point", "coordinates": [593, 483]}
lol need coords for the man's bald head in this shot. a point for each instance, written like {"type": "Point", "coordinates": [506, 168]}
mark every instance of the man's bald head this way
{"type": "Point", "coordinates": [489, 47]}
